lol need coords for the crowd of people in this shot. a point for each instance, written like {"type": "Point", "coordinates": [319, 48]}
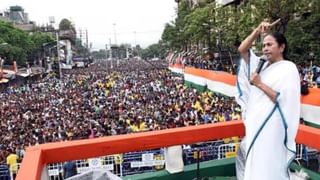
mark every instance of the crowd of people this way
{"type": "Point", "coordinates": [309, 72]}
{"type": "Point", "coordinates": [98, 101]}
{"type": "Point", "coordinates": [310, 75]}
{"type": "Point", "coordinates": [223, 62]}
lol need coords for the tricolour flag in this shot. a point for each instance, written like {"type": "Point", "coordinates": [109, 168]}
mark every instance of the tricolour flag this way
{"type": "Point", "coordinates": [225, 83]}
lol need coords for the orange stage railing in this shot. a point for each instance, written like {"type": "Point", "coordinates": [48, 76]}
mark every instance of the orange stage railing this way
{"type": "Point", "coordinates": [37, 157]}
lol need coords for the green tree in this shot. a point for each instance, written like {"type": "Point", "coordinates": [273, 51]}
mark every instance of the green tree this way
{"type": "Point", "coordinates": [303, 38]}
{"type": "Point", "coordinates": [154, 50]}
{"type": "Point", "coordinates": [197, 26]}
{"type": "Point", "coordinates": [39, 39]}
{"type": "Point", "coordinates": [169, 35]}
{"type": "Point", "coordinates": [226, 26]}
{"type": "Point", "coordinates": [20, 46]}
{"type": "Point", "coordinates": [67, 30]}
{"type": "Point", "coordinates": [65, 24]}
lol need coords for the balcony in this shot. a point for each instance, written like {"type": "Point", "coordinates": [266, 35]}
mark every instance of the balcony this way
{"type": "Point", "coordinates": [36, 158]}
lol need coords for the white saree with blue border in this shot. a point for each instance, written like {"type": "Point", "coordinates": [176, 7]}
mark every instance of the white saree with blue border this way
{"type": "Point", "coordinates": [271, 127]}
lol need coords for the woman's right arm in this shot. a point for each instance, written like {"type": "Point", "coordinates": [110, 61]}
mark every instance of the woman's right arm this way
{"type": "Point", "coordinates": [247, 43]}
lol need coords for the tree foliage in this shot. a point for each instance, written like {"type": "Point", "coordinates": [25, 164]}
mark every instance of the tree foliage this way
{"type": "Point", "coordinates": [67, 31]}
{"type": "Point", "coordinates": [19, 45]}
{"type": "Point", "coordinates": [228, 25]}
{"type": "Point", "coordinates": [304, 37]}
{"type": "Point", "coordinates": [154, 50]}
{"type": "Point", "coordinates": [65, 24]}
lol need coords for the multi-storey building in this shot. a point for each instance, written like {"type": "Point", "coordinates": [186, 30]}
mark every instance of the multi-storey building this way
{"type": "Point", "coordinates": [18, 17]}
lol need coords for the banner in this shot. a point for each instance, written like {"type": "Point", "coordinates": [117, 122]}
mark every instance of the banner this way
{"type": "Point", "coordinates": [176, 68]}
{"type": "Point", "coordinates": [217, 81]}
{"type": "Point", "coordinates": [225, 83]}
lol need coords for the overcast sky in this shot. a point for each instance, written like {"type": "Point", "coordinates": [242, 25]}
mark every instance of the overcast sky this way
{"type": "Point", "coordinates": [145, 17]}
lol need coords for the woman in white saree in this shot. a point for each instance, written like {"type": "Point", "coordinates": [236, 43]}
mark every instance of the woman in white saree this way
{"type": "Point", "coordinates": [270, 102]}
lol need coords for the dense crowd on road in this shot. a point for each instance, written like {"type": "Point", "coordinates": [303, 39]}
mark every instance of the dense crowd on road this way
{"type": "Point", "coordinates": [107, 99]}
{"type": "Point", "coordinates": [98, 101]}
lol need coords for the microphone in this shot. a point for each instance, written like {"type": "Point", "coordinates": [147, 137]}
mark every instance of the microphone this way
{"type": "Point", "coordinates": [263, 59]}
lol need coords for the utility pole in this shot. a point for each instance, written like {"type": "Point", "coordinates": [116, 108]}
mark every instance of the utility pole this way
{"type": "Point", "coordinates": [106, 56]}
{"type": "Point", "coordinates": [110, 53]}
{"type": "Point", "coordinates": [87, 46]}
{"type": "Point", "coordinates": [209, 37]}
{"type": "Point", "coordinates": [87, 42]}
{"type": "Point", "coordinates": [134, 36]}
{"type": "Point", "coordinates": [127, 52]}
{"type": "Point", "coordinates": [115, 33]}
{"type": "Point", "coordinates": [58, 52]}
{"type": "Point", "coordinates": [80, 32]}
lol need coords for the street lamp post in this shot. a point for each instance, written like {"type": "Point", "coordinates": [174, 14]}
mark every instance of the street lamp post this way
{"type": "Point", "coordinates": [111, 58]}
{"type": "Point", "coordinates": [209, 38]}
{"type": "Point", "coordinates": [180, 39]}
{"type": "Point", "coordinates": [58, 53]}
{"type": "Point", "coordinates": [220, 44]}
{"type": "Point", "coordinates": [134, 36]}
{"type": "Point", "coordinates": [115, 33]}
{"type": "Point", "coordinates": [208, 26]}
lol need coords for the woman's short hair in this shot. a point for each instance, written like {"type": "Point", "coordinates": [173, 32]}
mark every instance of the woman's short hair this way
{"type": "Point", "coordinates": [281, 40]}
